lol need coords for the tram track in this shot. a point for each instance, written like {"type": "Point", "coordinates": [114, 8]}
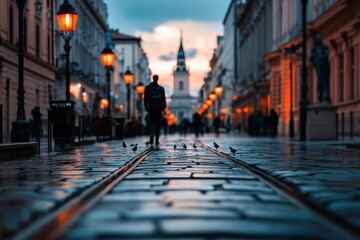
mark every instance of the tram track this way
{"type": "Point", "coordinates": [334, 221]}
{"type": "Point", "coordinates": [52, 225]}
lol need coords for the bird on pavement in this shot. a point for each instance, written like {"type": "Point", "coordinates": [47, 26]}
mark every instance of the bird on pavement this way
{"type": "Point", "coordinates": [174, 146]}
{"type": "Point", "coordinates": [216, 145]}
{"type": "Point", "coordinates": [233, 151]}
{"type": "Point", "coordinates": [184, 146]}
{"type": "Point", "coordinates": [194, 146]}
{"type": "Point", "coordinates": [124, 145]}
{"type": "Point", "coordinates": [134, 148]}
{"type": "Point", "coordinates": [147, 143]}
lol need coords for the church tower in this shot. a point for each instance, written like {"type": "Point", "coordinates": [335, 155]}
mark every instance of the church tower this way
{"type": "Point", "coordinates": [181, 74]}
{"type": "Point", "coordinates": [181, 100]}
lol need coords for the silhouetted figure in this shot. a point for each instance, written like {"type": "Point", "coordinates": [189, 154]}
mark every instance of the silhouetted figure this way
{"type": "Point", "coordinates": [216, 125]}
{"type": "Point", "coordinates": [228, 124]}
{"type": "Point", "coordinates": [273, 122]}
{"type": "Point", "coordinates": [197, 124]}
{"type": "Point", "coordinates": [320, 61]}
{"type": "Point", "coordinates": [250, 127]}
{"type": "Point", "coordinates": [164, 125]}
{"type": "Point", "coordinates": [184, 125]}
{"type": "Point", "coordinates": [155, 103]}
{"type": "Point", "coordinates": [98, 126]}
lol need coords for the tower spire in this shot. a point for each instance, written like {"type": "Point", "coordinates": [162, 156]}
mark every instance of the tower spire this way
{"type": "Point", "coordinates": [181, 56]}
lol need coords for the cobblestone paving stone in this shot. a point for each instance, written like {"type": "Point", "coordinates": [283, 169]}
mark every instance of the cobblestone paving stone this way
{"type": "Point", "coordinates": [326, 172]}
{"type": "Point", "coordinates": [30, 188]}
{"type": "Point", "coordinates": [195, 194]}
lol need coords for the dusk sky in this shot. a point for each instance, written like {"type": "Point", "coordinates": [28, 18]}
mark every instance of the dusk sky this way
{"type": "Point", "coordinates": [159, 22]}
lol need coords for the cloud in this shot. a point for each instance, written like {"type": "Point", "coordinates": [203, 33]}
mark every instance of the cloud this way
{"type": "Point", "coordinates": [168, 57]}
{"type": "Point", "coordinates": [191, 53]}
{"type": "Point", "coordinates": [162, 43]}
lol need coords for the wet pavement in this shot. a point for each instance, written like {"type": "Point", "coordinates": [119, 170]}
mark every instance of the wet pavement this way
{"type": "Point", "coordinates": [187, 193]}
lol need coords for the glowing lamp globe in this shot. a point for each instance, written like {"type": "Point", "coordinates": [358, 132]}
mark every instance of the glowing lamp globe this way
{"type": "Point", "coordinates": [67, 17]}
{"type": "Point", "coordinates": [218, 90]}
{"type": "Point", "coordinates": [107, 56]}
{"type": "Point", "coordinates": [208, 102]}
{"type": "Point", "coordinates": [128, 76]}
{"type": "Point", "coordinates": [140, 88]}
{"type": "Point", "coordinates": [212, 96]}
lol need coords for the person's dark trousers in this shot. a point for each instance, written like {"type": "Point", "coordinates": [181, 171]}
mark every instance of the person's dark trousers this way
{"type": "Point", "coordinates": [155, 124]}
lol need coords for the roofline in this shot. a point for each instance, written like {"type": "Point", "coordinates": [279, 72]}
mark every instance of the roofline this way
{"type": "Point", "coordinates": [228, 11]}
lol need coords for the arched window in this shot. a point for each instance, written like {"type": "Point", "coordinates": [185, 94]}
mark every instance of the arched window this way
{"type": "Point", "coordinates": [181, 85]}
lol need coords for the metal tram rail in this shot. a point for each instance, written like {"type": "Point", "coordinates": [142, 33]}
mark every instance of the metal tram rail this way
{"type": "Point", "coordinates": [337, 223]}
{"type": "Point", "coordinates": [52, 225]}
{"type": "Point", "coordinates": [55, 223]}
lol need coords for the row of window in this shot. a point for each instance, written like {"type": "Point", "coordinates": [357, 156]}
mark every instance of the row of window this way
{"type": "Point", "coordinates": [37, 37]}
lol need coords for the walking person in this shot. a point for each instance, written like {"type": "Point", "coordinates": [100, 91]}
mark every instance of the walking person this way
{"type": "Point", "coordinates": [273, 122]}
{"type": "Point", "coordinates": [155, 104]}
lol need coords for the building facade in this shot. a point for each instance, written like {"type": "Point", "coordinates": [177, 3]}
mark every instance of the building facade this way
{"type": "Point", "coordinates": [39, 61]}
{"type": "Point", "coordinates": [343, 43]}
{"type": "Point", "coordinates": [132, 56]}
{"type": "Point", "coordinates": [181, 100]}
{"type": "Point", "coordinates": [254, 25]}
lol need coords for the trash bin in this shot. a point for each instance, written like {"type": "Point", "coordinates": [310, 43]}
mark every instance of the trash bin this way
{"type": "Point", "coordinates": [63, 119]}
{"type": "Point", "coordinates": [119, 128]}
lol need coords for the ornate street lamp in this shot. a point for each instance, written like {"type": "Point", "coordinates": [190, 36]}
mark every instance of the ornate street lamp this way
{"type": "Point", "coordinates": [303, 100]}
{"type": "Point", "coordinates": [128, 78]}
{"type": "Point", "coordinates": [208, 102]}
{"type": "Point", "coordinates": [140, 89]}
{"type": "Point", "coordinates": [107, 58]}
{"type": "Point", "coordinates": [212, 96]}
{"type": "Point", "coordinates": [67, 18]}
{"type": "Point", "coordinates": [20, 131]}
{"type": "Point", "coordinates": [218, 91]}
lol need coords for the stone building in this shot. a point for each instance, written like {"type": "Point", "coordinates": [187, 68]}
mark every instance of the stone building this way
{"type": "Point", "coordinates": [255, 32]}
{"type": "Point", "coordinates": [338, 23]}
{"type": "Point", "coordinates": [39, 61]}
{"type": "Point", "coordinates": [132, 56]}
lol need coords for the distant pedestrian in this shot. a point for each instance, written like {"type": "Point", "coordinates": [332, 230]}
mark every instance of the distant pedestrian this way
{"type": "Point", "coordinates": [197, 124]}
{"type": "Point", "coordinates": [228, 124]}
{"type": "Point", "coordinates": [273, 122]}
{"type": "Point", "coordinates": [216, 126]}
{"type": "Point", "coordinates": [155, 103]}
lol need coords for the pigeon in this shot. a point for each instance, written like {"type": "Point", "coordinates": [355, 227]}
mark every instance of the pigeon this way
{"type": "Point", "coordinates": [147, 143]}
{"type": "Point", "coordinates": [124, 145]}
{"type": "Point", "coordinates": [174, 146]}
{"type": "Point", "coordinates": [184, 146]}
{"type": "Point", "coordinates": [233, 151]}
{"type": "Point", "coordinates": [134, 148]}
{"type": "Point", "coordinates": [194, 146]}
{"type": "Point", "coordinates": [216, 145]}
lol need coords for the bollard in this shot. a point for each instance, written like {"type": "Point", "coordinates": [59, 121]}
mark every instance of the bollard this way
{"type": "Point", "coordinates": [337, 125]}
{"type": "Point", "coordinates": [342, 126]}
{"type": "Point", "coordinates": [49, 131]}
{"type": "Point", "coordinates": [351, 125]}
{"type": "Point", "coordinates": [1, 123]}
{"type": "Point", "coordinates": [37, 128]}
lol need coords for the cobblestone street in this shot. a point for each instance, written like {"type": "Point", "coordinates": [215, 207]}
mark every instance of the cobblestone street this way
{"type": "Point", "coordinates": [188, 193]}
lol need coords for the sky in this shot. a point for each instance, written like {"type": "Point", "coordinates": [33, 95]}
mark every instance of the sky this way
{"type": "Point", "coordinates": [159, 23]}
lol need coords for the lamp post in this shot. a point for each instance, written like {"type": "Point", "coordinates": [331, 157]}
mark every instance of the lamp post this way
{"type": "Point", "coordinates": [212, 97]}
{"type": "Point", "coordinates": [20, 131]}
{"type": "Point", "coordinates": [303, 101]}
{"type": "Point", "coordinates": [140, 89]}
{"type": "Point", "coordinates": [218, 91]}
{"type": "Point", "coordinates": [107, 58]}
{"type": "Point", "coordinates": [291, 50]}
{"type": "Point", "coordinates": [67, 19]}
{"type": "Point", "coordinates": [128, 78]}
